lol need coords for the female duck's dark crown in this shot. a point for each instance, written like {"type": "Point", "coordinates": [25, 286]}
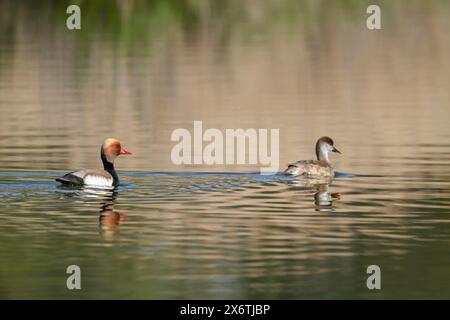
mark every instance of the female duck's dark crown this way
{"type": "Point", "coordinates": [326, 140]}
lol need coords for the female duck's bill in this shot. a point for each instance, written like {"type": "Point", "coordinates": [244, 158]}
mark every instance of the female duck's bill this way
{"type": "Point", "coordinates": [110, 150]}
{"type": "Point", "coordinates": [315, 168]}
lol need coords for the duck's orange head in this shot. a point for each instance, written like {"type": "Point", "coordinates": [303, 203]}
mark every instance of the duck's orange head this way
{"type": "Point", "coordinates": [111, 148]}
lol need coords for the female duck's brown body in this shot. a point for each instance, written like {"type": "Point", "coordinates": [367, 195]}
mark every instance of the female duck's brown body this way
{"type": "Point", "coordinates": [107, 177]}
{"type": "Point", "coordinates": [315, 168]}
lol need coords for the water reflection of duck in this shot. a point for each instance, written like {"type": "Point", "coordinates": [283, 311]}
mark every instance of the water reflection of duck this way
{"type": "Point", "coordinates": [110, 219]}
{"type": "Point", "coordinates": [323, 198]}
{"type": "Point", "coordinates": [315, 168]}
{"type": "Point", "coordinates": [107, 177]}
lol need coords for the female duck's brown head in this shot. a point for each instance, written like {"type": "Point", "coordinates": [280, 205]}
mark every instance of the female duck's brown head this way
{"type": "Point", "coordinates": [111, 148]}
{"type": "Point", "coordinates": [323, 146]}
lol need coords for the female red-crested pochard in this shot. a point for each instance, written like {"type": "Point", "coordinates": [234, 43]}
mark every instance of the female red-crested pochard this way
{"type": "Point", "coordinates": [321, 167]}
{"type": "Point", "coordinates": [107, 177]}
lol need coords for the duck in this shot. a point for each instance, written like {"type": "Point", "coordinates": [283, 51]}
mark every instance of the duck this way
{"type": "Point", "coordinates": [320, 168]}
{"type": "Point", "coordinates": [109, 151]}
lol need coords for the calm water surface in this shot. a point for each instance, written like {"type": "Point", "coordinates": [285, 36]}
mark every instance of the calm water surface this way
{"type": "Point", "coordinates": [307, 68]}
{"type": "Point", "coordinates": [163, 235]}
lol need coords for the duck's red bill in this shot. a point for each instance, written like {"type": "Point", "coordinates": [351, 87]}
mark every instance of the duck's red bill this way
{"type": "Point", "coordinates": [123, 151]}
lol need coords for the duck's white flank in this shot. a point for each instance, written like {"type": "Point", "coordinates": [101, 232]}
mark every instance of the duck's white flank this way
{"type": "Point", "coordinates": [95, 180]}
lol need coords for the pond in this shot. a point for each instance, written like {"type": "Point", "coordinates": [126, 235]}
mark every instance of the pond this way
{"type": "Point", "coordinates": [306, 68]}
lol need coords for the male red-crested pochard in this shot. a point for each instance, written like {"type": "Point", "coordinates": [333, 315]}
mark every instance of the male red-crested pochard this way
{"type": "Point", "coordinates": [321, 167]}
{"type": "Point", "coordinates": [107, 177]}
